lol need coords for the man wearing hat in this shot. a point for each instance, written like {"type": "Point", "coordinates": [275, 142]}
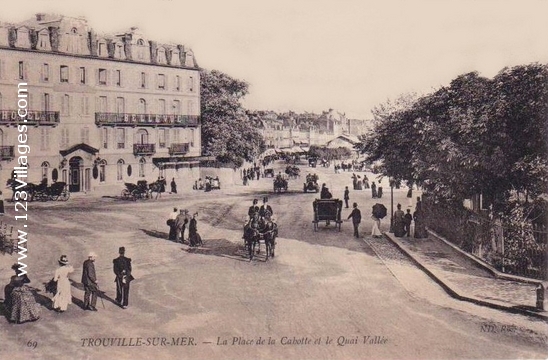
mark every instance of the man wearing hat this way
{"type": "Point", "coordinates": [265, 208]}
{"type": "Point", "coordinates": [122, 270]}
{"type": "Point", "coordinates": [253, 208]}
{"type": "Point", "coordinates": [180, 223]}
{"type": "Point", "coordinates": [89, 280]}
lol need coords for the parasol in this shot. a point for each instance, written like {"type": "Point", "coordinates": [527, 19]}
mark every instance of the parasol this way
{"type": "Point", "coordinates": [379, 211]}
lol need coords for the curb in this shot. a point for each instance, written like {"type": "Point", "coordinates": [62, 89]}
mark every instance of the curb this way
{"type": "Point", "coordinates": [497, 274]}
{"type": "Point", "coordinates": [445, 286]}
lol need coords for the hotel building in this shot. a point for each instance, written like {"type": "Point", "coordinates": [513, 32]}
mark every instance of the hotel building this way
{"type": "Point", "coordinates": [102, 109]}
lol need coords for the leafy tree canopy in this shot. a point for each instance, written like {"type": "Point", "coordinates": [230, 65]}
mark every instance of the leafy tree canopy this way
{"type": "Point", "coordinates": [227, 132]}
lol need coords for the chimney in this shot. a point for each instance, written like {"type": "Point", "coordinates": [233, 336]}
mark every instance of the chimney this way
{"type": "Point", "coordinates": [40, 17]}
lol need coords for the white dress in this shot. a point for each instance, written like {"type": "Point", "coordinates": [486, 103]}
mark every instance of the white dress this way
{"type": "Point", "coordinates": [63, 297]}
{"type": "Point", "coordinates": [376, 231]}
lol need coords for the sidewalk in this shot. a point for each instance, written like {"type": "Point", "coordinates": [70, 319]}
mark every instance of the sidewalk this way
{"type": "Point", "coordinates": [464, 278]}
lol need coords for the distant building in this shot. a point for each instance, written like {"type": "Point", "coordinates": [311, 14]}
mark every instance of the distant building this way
{"type": "Point", "coordinates": [103, 109]}
{"type": "Point", "coordinates": [288, 129]}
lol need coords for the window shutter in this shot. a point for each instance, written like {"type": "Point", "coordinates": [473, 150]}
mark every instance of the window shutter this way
{"type": "Point", "coordinates": [26, 69]}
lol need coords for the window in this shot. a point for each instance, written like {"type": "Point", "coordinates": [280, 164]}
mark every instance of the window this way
{"type": "Point", "coordinates": [45, 72]}
{"type": "Point", "coordinates": [142, 137]}
{"type": "Point", "coordinates": [143, 80]}
{"type": "Point", "coordinates": [190, 84]}
{"type": "Point", "coordinates": [84, 135]}
{"type": "Point", "coordinates": [142, 163]}
{"type": "Point", "coordinates": [103, 49]}
{"type": "Point", "coordinates": [162, 107]}
{"type": "Point", "coordinates": [22, 70]}
{"type": "Point", "coordinates": [44, 138]}
{"type": "Point", "coordinates": [105, 137]}
{"type": "Point", "coordinates": [84, 105]}
{"type": "Point", "coordinates": [190, 106]}
{"type": "Point", "coordinates": [121, 138]}
{"type": "Point", "coordinates": [102, 104]}
{"type": "Point", "coordinates": [46, 102]}
{"type": "Point", "coordinates": [141, 49]}
{"type": "Point", "coordinates": [65, 106]}
{"type": "Point", "coordinates": [64, 138]}
{"type": "Point", "coordinates": [161, 81]}
{"type": "Point", "coordinates": [120, 105]}
{"type": "Point", "coordinates": [142, 106]}
{"type": "Point", "coordinates": [102, 76]}
{"type": "Point", "coordinates": [177, 83]}
{"type": "Point", "coordinates": [43, 40]}
{"type": "Point", "coordinates": [192, 137]}
{"type": "Point", "coordinates": [64, 73]}
{"type": "Point", "coordinates": [120, 170]}
{"type": "Point", "coordinates": [176, 107]}
{"type": "Point", "coordinates": [162, 138]}
{"type": "Point", "coordinates": [119, 51]}
{"type": "Point", "coordinates": [118, 77]}
{"type": "Point", "coordinates": [102, 170]}
{"type": "Point", "coordinates": [45, 166]}
{"type": "Point", "coordinates": [161, 56]}
{"type": "Point", "coordinates": [82, 75]}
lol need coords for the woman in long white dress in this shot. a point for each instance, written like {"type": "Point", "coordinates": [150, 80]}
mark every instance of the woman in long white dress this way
{"type": "Point", "coordinates": [376, 230]}
{"type": "Point", "coordinates": [63, 297]}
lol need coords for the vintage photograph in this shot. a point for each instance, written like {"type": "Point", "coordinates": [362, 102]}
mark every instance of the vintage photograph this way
{"type": "Point", "coordinates": [263, 180]}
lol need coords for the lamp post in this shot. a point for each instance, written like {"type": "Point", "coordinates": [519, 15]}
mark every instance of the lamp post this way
{"type": "Point", "coordinates": [391, 205]}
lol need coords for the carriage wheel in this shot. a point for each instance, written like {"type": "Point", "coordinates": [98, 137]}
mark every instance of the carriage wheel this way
{"type": "Point", "coordinates": [54, 197]}
{"type": "Point", "coordinates": [65, 195]}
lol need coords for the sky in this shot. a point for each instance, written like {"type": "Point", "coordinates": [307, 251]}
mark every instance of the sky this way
{"type": "Point", "coordinates": [313, 55]}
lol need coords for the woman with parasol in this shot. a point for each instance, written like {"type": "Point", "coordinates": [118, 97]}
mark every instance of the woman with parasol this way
{"type": "Point", "coordinates": [379, 212]}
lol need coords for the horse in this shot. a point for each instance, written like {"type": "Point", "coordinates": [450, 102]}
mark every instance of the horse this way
{"type": "Point", "coordinates": [30, 189]}
{"type": "Point", "coordinates": [269, 231]}
{"type": "Point", "coordinates": [251, 235]}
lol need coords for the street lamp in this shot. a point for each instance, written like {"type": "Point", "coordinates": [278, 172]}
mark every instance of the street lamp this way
{"type": "Point", "coordinates": [391, 181]}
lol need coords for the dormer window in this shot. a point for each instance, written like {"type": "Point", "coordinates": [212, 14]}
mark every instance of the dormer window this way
{"type": "Point", "coordinates": [43, 40]}
{"type": "Point", "coordinates": [102, 50]}
{"type": "Point", "coordinates": [161, 57]}
{"type": "Point", "coordinates": [119, 51]}
{"type": "Point", "coordinates": [23, 38]}
{"type": "Point", "coordinates": [141, 50]}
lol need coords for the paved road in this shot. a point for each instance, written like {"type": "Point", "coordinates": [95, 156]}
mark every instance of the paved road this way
{"type": "Point", "coordinates": [326, 295]}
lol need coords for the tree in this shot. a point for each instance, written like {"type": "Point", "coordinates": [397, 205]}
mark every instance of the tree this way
{"type": "Point", "coordinates": [227, 132]}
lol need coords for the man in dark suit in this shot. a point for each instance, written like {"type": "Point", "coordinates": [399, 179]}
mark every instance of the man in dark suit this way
{"type": "Point", "coordinates": [265, 208]}
{"type": "Point", "coordinates": [122, 270]}
{"type": "Point", "coordinates": [253, 209]}
{"type": "Point", "coordinates": [89, 280]}
{"type": "Point", "coordinates": [346, 196]}
{"type": "Point", "coordinates": [356, 219]}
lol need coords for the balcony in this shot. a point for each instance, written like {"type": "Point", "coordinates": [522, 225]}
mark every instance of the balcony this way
{"type": "Point", "coordinates": [179, 149]}
{"type": "Point", "coordinates": [7, 152]}
{"type": "Point", "coordinates": [144, 149]}
{"type": "Point", "coordinates": [125, 119]}
{"type": "Point", "coordinates": [34, 117]}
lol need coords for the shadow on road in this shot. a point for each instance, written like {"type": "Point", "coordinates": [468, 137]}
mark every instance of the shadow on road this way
{"type": "Point", "coordinates": [220, 247]}
{"type": "Point", "coordinates": [157, 234]}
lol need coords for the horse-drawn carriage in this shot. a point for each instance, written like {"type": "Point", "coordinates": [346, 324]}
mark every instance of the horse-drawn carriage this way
{"type": "Point", "coordinates": [260, 230]}
{"type": "Point", "coordinates": [57, 191]}
{"type": "Point", "coordinates": [327, 210]}
{"type": "Point", "coordinates": [293, 171]}
{"type": "Point", "coordinates": [311, 183]}
{"type": "Point", "coordinates": [280, 183]}
{"type": "Point", "coordinates": [136, 191]}
{"type": "Point", "coordinates": [268, 173]}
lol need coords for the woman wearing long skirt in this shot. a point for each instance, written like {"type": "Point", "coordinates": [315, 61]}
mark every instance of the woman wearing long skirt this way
{"type": "Point", "coordinates": [19, 300]}
{"type": "Point", "coordinates": [63, 297]}
{"type": "Point", "coordinates": [193, 236]}
{"type": "Point", "coordinates": [376, 231]}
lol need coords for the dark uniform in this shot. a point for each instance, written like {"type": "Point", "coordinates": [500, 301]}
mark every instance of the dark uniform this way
{"type": "Point", "coordinates": [122, 270]}
{"type": "Point", "coordinates": [356, 219]}
{"type": "Point", "coordinates": [253, 209]}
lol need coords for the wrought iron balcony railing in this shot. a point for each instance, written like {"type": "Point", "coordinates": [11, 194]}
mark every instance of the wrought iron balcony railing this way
{"type": "Point", "coordinates": [179, 149]}
{"type": "Point", "coordinates": [7, 152]}
{"type": "Point", "coordinates": [125, 119]}
{"type": "Point", "coordinates": [144, 149]}
{"type": "Point", "coordinates": [34, 117]}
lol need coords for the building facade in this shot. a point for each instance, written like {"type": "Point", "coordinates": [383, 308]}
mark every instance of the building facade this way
{"type": "Point", "coordinates": [102, 110]}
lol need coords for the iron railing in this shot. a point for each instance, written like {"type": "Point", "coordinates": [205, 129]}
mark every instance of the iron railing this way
{"type": "Point", "coordinates": [179, 149]}
{"type": "Point", "coordinates": [144, 149]}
